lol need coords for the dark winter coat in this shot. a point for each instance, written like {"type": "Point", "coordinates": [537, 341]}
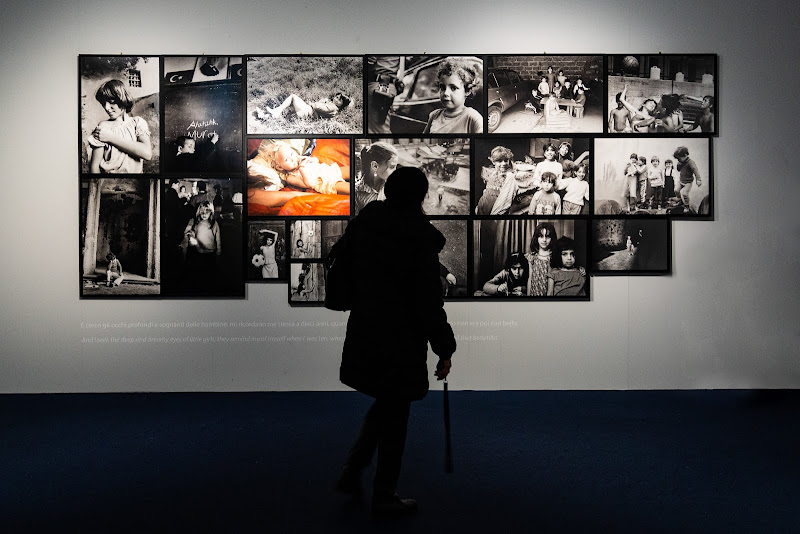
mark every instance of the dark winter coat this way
{"type": "Point", "coordinates": [397, 306]}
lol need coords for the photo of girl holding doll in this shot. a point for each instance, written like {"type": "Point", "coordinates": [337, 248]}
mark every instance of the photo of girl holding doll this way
{"type": "Point", "coordinates": [280, 171]}
{"type": "Point", "coordinates": [119, 114]}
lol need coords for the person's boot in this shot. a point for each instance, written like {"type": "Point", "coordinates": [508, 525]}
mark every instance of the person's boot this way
{"type": "Point", "coordinates": [392, 505]}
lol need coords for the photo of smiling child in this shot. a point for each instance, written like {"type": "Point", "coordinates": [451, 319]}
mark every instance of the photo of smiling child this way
{"type": "Point", "coordinates": [119, 114]}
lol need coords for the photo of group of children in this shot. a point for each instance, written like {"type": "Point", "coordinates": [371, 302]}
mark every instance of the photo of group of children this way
{"type": "Point", "coordinates": [184, 160]}
{"type": "Point", "coordinates": [532, 176]}
{"type": "Point", "coordinates": [529, 94]}
{"type": "Point", "coordinates": [656, 176]}
{"type": "Point", "coordinates": [531, 258]}
{"type": "Point", "coordinates": [667, 94]}
{"type": "Point", "coordinates": [445, 162]}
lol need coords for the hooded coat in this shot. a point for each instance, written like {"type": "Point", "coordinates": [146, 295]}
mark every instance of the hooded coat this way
{"type": "Point", "coordinates": [397, 306]}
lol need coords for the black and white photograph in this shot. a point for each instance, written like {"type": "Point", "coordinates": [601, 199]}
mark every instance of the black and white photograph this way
{"type": "Point", "coordinates": [202, 237]}
{"type": "Point", "coordinates": [532, 176]}
{"type": "Point", "coordinates": [314, 238]}
{"type": "Point", "coordinates": [446, 163]}
{"type": "Point", "coordinates": [305, 95]}
{"type": "Point", "coordinates": [530, 258]}
{"type": "Point", "coordinates": [631, 246]}
{"type": "Point", "coordinates": [119, 237]}
{"type": "Point", "coordinates": [668, 176]}
{"type": "Point", "coordinates": [119, 114]}
{"type": "Point", "coordinates": [529, 94]}
{"type": "Point", "coordinates": [294, 177]}
{"type": "Point", "coordinates": [307, 283]}
{"type": "Point", "coordinates": [453, 257]}
{"type": "Point", "coordinates": [202, 115]}
{"type": "Point", "coordinates": [670, 94]}
{"type": "Point", "coordinates": [267, 251]}
{"type": "Point", "coordinates": [414, 95]}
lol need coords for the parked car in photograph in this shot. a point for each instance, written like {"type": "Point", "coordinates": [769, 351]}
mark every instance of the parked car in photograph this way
{"type": "Point", "coordinates": [505, 88]}
{"type": "Point", "coordinates": [410, 110]}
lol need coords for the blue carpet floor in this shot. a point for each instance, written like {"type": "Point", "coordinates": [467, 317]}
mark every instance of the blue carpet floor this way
{"type": "Point", "coordinates": [654, 461]}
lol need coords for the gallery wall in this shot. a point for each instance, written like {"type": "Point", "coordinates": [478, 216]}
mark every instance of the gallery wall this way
{"type": "Point", "coordinates": [724, 318]}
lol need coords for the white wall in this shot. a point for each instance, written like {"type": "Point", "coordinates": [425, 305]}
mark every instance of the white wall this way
{"type": "Point", "coordinates": [725, 318]}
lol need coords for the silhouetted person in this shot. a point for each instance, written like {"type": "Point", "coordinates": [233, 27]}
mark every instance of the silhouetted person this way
{"type": "Point", "coordinates": [397, 310]}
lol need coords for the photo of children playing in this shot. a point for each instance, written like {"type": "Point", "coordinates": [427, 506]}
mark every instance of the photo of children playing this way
{"type": "Point", "coordinates": [119, 114]}
{"type": "Point", "coordinates": [453, 257]}
{"type": "Point", "coordinates": [307, 283]}
{"type": "Point", "coordinates": [656, 176]}
{"type": "Point", "coordinates": [662, 94]}
{"type": "Point", "coordinates": [119, 237]}
{"type": "Point", "coordinates": [532, 176]}
{"type": "Point", "coordinates": [202, 115]}
{"type": "Point", "coordinates": [628, 246]}
{"type": "Point", "coordinates": [528, 94]}
{"type": "Point", "coordinates": [202, 236]}
{"type": "Point", "coordinates": [530, 258]}
{"type": "Point", "coordinates": [298, 177]}
{"type": "Point", "coordinates": [266, 248]}
{"type": "Point", "coordinates": [424, 94]}
{"type": "Point", "coordinates": [444, 161]}
{"type": "Point", "coordinates": [305, 94]}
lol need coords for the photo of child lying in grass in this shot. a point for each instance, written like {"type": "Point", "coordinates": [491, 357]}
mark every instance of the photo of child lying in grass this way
{"type": "Point", "coordinates": [304, 94]}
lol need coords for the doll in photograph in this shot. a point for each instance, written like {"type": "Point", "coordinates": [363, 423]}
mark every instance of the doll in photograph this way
{"type": "Point", "coordinates": [501, 158]}
{"type": "Point", "coordinates": [281, 165]}
{"type": "Point", "coordinates": [270, 267]}
{"type": "Point", "coordinates": [689, 174]}
{"type": "Point", "coordinates": [113, 270]}
{"type": "Point", "coordinates": [577, 191]}
{"type": "Point", "coordinates": [457, 81]}
{"type": "Point", "coordinates": [655, 176]}
{"type": "Point", "coordinates": [326, 108]}
{"type": "Point", "coordinates": [540, 283]}
{"type": "Point", "coordinates": [378, 161]}
{"type": "Point", "coordinates": [642, 119]}
{"type": "Point", "coordinates": [568, 279]}
{"type": "Point", "coordinates": [202, 244]}
{"type": "Point", "coordinates": [122, 143]}
{"type": "Point", "coordinates": [546, 201]}
{"type": "Point", "coordinates": [512, 281]}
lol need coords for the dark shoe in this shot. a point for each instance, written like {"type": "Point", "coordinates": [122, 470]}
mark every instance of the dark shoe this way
{"type": "Point", "coordinates": [349, 483]}
{"type": "Point", "coordinates": [393, 505]}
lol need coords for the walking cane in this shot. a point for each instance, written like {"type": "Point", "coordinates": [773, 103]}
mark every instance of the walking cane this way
{"type": "Point", "coordinates": [448, 445]}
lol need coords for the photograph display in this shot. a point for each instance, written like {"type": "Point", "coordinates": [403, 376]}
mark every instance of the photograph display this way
{"type": "Point", "coordinates": [307, 283]}
{"type": "Point", "coordinates": [119, 114]}
{"type": "Point", "coordinates": [267, 250]}
{"type": "Point", "coordinates": [290, 177]}
{"type": "Point", "coordinates": [631, 246]}
{"type": "Point", "coordinates": [446, 163]}
{"type": "Point", "coordinates": [656, 176]}
{"type": "Point", "coordinates": [667, 94]}
{"type": "Point", "coordinates": [203, 115]}
{"type": "Point", "coordinates": [202, 253]}
{"type": "Point", "coordinates": [532, 176]}
{"type": "Point", "coordinates": [529, 94]}
{"type": "Point", "coordinates": [530, 258]}
{"type": "Point", "coordinates": [119, 237]}
{"type": "Point", "coordinates": [305, 94]}
{"type": "Point", "coordinates": [424, 95]}
{"type": "Point", "coordinates": [198, 174]}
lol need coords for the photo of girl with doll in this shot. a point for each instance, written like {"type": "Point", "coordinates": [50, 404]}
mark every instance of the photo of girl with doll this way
{"type": "Point", "coordinates": [298, 177]}
{"type": "Point", "coordinates": [530, 258]}
{"type": "Point", "coordinates": [664, 176]}
{"type": "Point", "coordinates": [556, 184]}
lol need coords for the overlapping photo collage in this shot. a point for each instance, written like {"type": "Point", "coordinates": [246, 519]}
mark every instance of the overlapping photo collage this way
{"type": "Point", "coordinates": [201, 174]}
